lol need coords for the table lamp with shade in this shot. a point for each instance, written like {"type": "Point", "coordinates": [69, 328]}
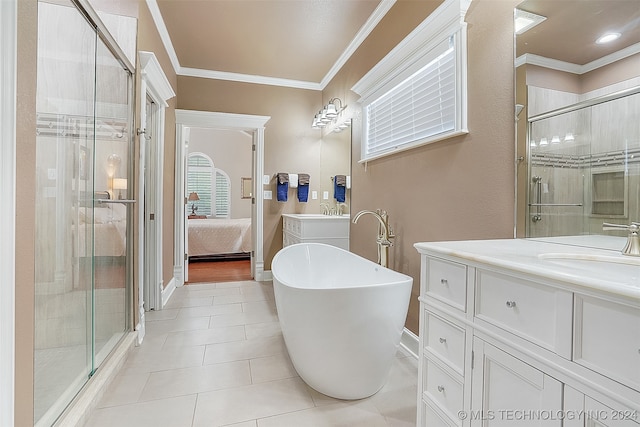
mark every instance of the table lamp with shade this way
{"type": "Point", "coordinates": [193, 197]}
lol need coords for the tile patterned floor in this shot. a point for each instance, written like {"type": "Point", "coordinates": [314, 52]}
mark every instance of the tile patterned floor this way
{"type": "Point", "coordinates": [215, 357]}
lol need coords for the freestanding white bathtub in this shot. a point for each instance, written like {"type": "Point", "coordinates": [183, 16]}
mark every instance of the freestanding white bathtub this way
{"type": "Point", "coordinates": [341, 316]}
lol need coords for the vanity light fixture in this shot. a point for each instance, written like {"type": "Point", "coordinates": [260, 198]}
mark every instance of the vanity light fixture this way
{"type": "Point", "coordinates": [328, 114]}
{"type": "Point", "coordinates": [608, 37]}
{"type": "Point", "coordinates": [524, 21]}
{"type": "Point", "coordinates": [543, 142]}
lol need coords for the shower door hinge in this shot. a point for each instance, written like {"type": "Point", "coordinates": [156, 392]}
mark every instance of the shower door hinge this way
{"type": "Point", "coordinates": [472, 357]}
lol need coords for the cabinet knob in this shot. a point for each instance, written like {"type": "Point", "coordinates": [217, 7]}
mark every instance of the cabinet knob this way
{"type": "Point", "coordinates": [511, 304]}
{"type": "Point", "coordinates": [443, 340]}
{"type": "Point", "coordinates": [444, 282]}
{"type": "Point", "coordinates": [441, 389]}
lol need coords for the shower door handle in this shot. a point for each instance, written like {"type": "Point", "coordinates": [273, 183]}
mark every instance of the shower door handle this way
{"type": "Point", "coordinates": [123, 201]}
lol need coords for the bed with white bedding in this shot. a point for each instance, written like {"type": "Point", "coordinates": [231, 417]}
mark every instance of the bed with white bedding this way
{"type": "Point", "coordinates": [105, 226]}
{"type": "Point", "coordinates": [218, 237]}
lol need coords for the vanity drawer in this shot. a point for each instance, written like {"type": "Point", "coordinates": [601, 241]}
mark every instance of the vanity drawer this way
{"type": "Point", "coordinates": [443, 390]}
{"type": "Point", "coordinates": [607, 339]}
{"type": "Point", "coordinates": [536, 312]}
{"type": "Point", "coordinates": [431, 418]}
{"type": "Point", "coordinates": [446, 340]}
{"type": "Point", "coordinates": [447, 282]}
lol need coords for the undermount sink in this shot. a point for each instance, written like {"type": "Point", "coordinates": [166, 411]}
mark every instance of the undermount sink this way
{"type": "Point", "coordinates": [620, 268]}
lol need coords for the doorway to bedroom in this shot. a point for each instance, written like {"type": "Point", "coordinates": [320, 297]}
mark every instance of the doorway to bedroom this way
{"type": "Point", "coordinates": [218, 181]}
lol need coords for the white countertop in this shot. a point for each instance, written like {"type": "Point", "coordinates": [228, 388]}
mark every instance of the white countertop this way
{"type": "Point", "coordinates": [576, 260]}
{"type": "Point", "coordinates": [317, 216]}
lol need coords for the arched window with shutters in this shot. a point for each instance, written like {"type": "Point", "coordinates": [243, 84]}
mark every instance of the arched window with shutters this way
{"type": "Point", "coordinates": [212, 185]}
{"type": "Point", "coordinates": [223, 194]}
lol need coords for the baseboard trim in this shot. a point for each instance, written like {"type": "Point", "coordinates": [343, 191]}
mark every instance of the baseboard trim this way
{"type": "Point", "coordinates": [266, 276]}
{"type": "Point", "coordinates": [80, 409]}
{"type": "Point", "coordinates": [410, 342]}
{"type": "Point", "coordinates": [168, 291]}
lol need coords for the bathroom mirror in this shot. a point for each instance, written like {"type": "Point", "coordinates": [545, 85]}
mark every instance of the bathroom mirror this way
{"type": "Point", "coordinates": [335, 159]}
{"type": "Point", "coordinates": [577, 118]}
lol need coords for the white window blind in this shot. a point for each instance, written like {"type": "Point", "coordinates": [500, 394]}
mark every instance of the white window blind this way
{"type": "Point", "coordinates": [200, 180]}
{"type": "Point", "coordinates": [223, 194]}
{"type": "Point", "coordinates": [421, 106]}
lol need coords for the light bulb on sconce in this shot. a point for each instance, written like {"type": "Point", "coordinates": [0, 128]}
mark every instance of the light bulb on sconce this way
{"type": "Point", "coordinates": [533, 144]}
{"type": "Point", "coordinates": [331, 113]}
{"type": "Point", "coordinates": [555, 140]}
{"type": "Point", "coordinates": [543, 142]}
{"type": "Point", "coordinates": [113, 162]}
{"type": "Point", "coordinates": [569, 137]}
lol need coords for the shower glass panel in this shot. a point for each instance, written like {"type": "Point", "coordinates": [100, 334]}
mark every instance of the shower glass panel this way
{"type": "Point", "coordinates": [64, 232]}
{"type": "Point", "coordinates": [112, 157]}
{"type": "Point", "coordinates": [82, 160]}
{"type": "Point", "coordinates": [584, 169]}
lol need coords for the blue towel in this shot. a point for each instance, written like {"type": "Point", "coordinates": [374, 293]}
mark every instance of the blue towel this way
{"type": "Point", "coordinates": [303, 193]}
{"type": "Point", "coordinates": [339, 191]}
{"type": "Point", "coordinates": [283, 191]}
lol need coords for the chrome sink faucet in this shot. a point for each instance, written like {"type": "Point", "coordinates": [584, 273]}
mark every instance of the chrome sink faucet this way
{"type": "Point", "coordinates": [632, 247]}
{"type": "Point", "coordinates": [325, 208]}
{"type": "Point", "coordinates": [340, 208]}
{"type": "Point", "coordinates": [385, 234]}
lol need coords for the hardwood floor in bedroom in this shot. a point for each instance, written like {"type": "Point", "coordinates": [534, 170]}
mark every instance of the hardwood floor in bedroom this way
{"type": "Point", "coordinates": [219, 271]}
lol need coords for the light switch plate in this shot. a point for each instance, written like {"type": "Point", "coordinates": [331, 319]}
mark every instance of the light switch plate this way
{"type": "Point", "coordinates": [325, 195]}
{"type": "Point", "coordinates": [314, 195]}
{"type": "Point", "coordinates": [268, 195]}
{"type": "Point", "coordinates": [265, 179]}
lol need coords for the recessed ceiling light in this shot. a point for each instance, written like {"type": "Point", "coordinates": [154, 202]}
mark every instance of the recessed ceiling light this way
{"type": "Point", "coordinates": [524, 21]}
{"type": "Point", "coordinates": [608, 37]}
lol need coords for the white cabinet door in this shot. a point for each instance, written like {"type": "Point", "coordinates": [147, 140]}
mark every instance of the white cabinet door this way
{"type": "Point", "coordinates": [508, 392]}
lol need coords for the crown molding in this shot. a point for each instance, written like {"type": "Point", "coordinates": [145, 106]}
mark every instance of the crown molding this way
{"type": "Point", "coordinates": [152, 71]}
{"type": "Point", "coordinates": [164, 33]}
{"type": "Point", "coordinates": [363, 33]}
{"type": "Point", "coordinates": [247, 78]}
{"type": "Point", "coordinates": [554, 64]}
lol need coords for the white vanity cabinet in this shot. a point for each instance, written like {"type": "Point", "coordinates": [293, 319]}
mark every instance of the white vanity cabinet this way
{"type": "Point", "coordinates": [507, 339]}
{"type": "Point", "coordinates": [316, 228]}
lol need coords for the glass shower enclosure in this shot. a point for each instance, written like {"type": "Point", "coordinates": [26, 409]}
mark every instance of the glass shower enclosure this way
{"type": "Point", "coordinates": [83, 164]}
{"type": "Point", "coordinates": [584, 165]}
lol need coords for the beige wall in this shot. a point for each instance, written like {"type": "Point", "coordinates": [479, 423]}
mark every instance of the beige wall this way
{"type": "Point", "coordinates": [25, 217]}
{"type": "Point", "coordinates": [461, 188]}
{"type": "Point", "coordinates": [457, 189]}
{"type": "Point", "coordinates": [149, 40]}
{"type": "Point", "coordinates": [290, 144]}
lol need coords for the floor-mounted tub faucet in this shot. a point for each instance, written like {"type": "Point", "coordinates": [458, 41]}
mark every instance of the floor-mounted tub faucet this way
{"type": "Point", "coordinates": [385, 234]}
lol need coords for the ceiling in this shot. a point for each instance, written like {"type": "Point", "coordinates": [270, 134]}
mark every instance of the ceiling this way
{"type": "Point", "coordinates": [296, 43]}
{"type": "Point", "coordinates": [572, 26]}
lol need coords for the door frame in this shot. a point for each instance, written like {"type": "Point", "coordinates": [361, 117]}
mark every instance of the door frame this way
{"type": "Point", "coordinates": [154, 85]}
{"type": "Point", "coordinates": [8, 50]}
{"type": "Point", "coordinates": [186, 119]}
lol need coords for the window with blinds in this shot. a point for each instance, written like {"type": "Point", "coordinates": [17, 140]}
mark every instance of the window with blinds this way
{"type": "Point", "coordinates": [212, 185]}
{"type": "Point", "coordinates": [420, 107]}
{"type": "Point", "coordinates": [200, 180]}
{"type": "Point", "coordinates": [416, 94]}
{"type": "Point", "coordinates": [223, 194]}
